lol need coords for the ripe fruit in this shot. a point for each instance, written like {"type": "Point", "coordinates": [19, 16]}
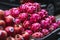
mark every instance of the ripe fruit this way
{"type": "Point", "coordinates": [29, 31]}
{"type": "Point", "coordinates": [26, 36]}
{"type": "Point", "coordinates": [10, 38]}
{"type": "Point", "coordinates": [58, 22]}
{"type": "Point", "coordinates": [45, 24]}
{"type": "Point", "coordinates": [23, 16]}
{"type": "Point", "coordinates": [22, 8]}
{"type": "Point", "coordinates": [37, 5]}
{"type": "Point", "coordinates": [53, 26]}
{"type": "Point", "coordinates": [2, 23]}
{"type": "Point", "coordinates": [26, 21]}
{"type": "Point", "coordinates": [45, 31]}
{"type": "Point", "coordinates": [9, 20]}
{"type": "Point", "coordinates": [10, 30]}
{"type": "Point", "coordinates": [35, 27]}
{"type": "Point", "coordinates": [7, 12]}
{"type": "Point", "coordinates": [3, 34]}
{"type": "Point", "coordinates": [52, 19]}
{"type": "Point", "coordinates": [26, 24]}
{"type": "Point", "coordinates": [37, 35]}
{"type": "Point", "coordinates": [19, 37]}
{"type": "Point", "coordinates": [49, 20]}
{"type": "Point", "coordinates": [18, 29]}
{"type": "Point", "coordinates": [17, 21]}
{"type": "Point", "coordinates": [29, 4]}
{"type": "Point", "coordinates": [35, 18]}
{"type": "Point", "coordinates": [1, 14]}
{"type": "Point", "coordinates": [42, 15]}
{"type": "Point", "coordinates": [31, 9]}
{"type": "Point", "coordinates": [45, 12]}
{"type": "Point", "coordinates": [15, 12]}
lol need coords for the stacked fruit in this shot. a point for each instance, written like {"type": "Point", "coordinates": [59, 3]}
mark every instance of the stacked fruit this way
{"type": "Point", "coordinates": [26, 21]}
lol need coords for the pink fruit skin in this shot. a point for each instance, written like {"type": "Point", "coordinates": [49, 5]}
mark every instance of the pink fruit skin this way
{"type": "Point", "coordinates": [22, 8]}
{"type": "Point", "coordinates": [19, 37]}
{"type": "Point", "coordinates": [49, 20]}
{"type": "Point", "coordinates": [10, 38]}
{"type": "Point", "coordinates": [2, 24]}
{"type": "Point", "coordinates": [18, 29]}
{"type": "Point", "coordinates": [25, 21]}
{"type": "Point", "coordinates": [31, 9]}
{"type": "Point", "coordinates": [52, 19]}
{"type": "Point", "coordinates": [15, 12]}
{"type": "Point", "coordinates": [29, 31]}
{"type": "Point", "coordinates": [45, 12]}
{"type": "Point", "coordinates": [37, 35]}
{"type": "Point", "coordinates": [29, 4]}
{"type": "Point", "coordinates": [3, 34]}
{"type": "Point", "coordinates": [35, 18]}
{"type": "Point", "coordinates": [17, 21]}
{"type": "Point", "coordinates": [42, 14]}
{"type": "Point", "coordinates": [53, 26]}
{"type": "Point", "coordinates": [10, 30]}
{"type": "Point", "coordinates": [58, 22]}
{"type": "Point", "coordinates": [35, 27]}
{"type": "Point", "coordinates": [26, 36]}
{"type": "Point", "coordinates": [1, 14]}
{"type": "Point", "coordinates": [9, 20]}
{"type": "Point", "coordinates": [37, 5]}
{"type": "Point", "coordinates": [45, 24]}
{"type": "Point", "coordinates": [26, 24]}
{"type": "Point", "coordinates": [45, 31]}
{"type": "Point", "coordinates": [23, 16]}
{"type": "Point", "coordinates": [7, 12]}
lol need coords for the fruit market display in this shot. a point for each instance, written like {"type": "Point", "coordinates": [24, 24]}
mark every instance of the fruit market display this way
{"type": "Point", "coordinates": [26, 22]}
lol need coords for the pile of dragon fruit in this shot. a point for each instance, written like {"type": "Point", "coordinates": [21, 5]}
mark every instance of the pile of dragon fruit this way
{"type": "Point", "coordinates": [26, 21]}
